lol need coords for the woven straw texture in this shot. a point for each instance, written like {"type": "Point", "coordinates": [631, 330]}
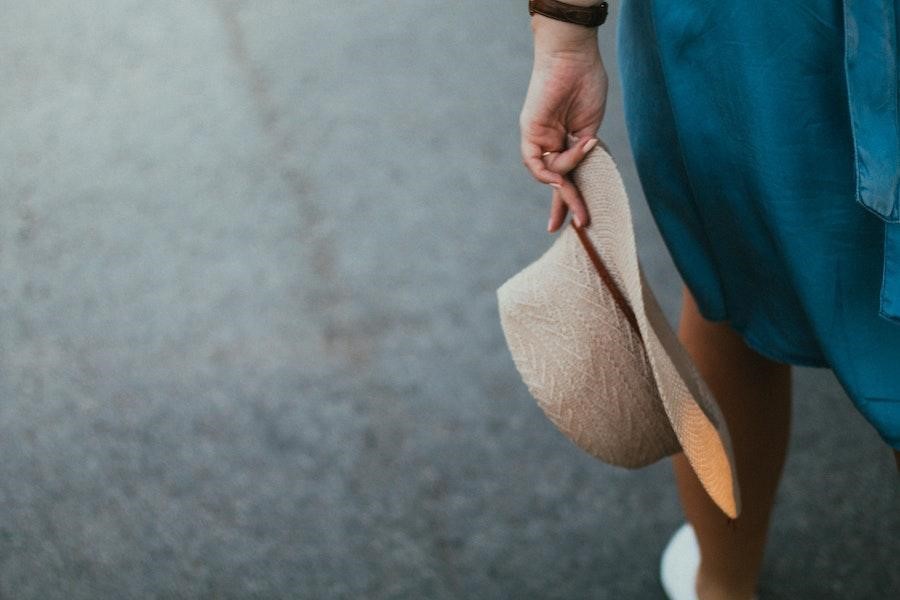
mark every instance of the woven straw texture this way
{"type": "Point", "coordinates": [625, 400]}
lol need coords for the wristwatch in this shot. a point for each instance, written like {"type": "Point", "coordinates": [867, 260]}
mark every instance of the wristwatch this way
{"type": "Point", "coordinates": [589, 16]}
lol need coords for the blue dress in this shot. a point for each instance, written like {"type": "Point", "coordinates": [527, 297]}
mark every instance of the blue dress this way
{"type": "Point", "coordinates": [766, 138]}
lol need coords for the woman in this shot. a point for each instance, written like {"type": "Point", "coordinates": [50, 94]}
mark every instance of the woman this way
{"type": "Point", "coordinates": [779, 210]}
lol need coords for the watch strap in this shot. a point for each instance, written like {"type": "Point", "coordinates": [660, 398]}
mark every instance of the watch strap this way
{"type": "Point", "coordinates": [588, 16]}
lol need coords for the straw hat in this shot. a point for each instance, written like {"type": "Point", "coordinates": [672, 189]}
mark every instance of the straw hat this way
{"type": "Point", "coordinates": [595, 350]}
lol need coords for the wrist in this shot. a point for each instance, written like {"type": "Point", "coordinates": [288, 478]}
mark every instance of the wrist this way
{"type": "Point", "coordinates": [554, 36]}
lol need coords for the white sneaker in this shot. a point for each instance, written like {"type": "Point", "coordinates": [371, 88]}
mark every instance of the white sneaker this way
{"type": "Point", "coordinates": [679, 565]}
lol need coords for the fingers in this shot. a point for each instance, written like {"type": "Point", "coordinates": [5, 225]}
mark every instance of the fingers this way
{"type": "Point", "coordinates": [563, 201]}
{"type": "Point", "coordinates": [551, 168]}
{"type": "Point", "coordinates": [572, 199]}
{"type": "Point", "coordinates": [567, 197]}
{"type": "Point", "coordinates": [533, 161]}
{"type": "Point", "coordinates": [558, 211]}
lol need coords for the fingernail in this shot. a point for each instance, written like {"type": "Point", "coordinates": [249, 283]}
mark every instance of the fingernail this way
{"type": "Point", "coordinates": [549, 224]}
{"type": "Point", "coordinates": [556, 185]}
{"type": "Point", "coordinates": [590, 144]}
{"type": "Point", "coordinates": [578, 221]}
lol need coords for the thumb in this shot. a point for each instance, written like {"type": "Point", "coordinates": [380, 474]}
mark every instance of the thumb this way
{"type": "Point", "coordinates": [567, 160]}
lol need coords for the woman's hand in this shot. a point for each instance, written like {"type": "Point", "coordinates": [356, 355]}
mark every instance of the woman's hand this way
{"type": "Point", "coordinates": [565, 103]}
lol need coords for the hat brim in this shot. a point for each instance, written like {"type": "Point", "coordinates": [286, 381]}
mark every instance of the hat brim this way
{"type": "Point", "coordinates": [600, 357]}
{"type": "Point", "coordinates": [691, 407]}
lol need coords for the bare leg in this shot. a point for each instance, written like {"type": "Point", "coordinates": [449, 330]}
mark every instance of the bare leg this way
{"type": "Point", "coordinates": [755, 396]}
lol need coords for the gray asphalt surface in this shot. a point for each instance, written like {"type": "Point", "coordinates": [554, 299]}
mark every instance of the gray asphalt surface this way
{"type": "Point", "coordinates": [249, 344]}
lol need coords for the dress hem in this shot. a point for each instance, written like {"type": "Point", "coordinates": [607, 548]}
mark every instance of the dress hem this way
{"type": "Point", "coordinates": [792, 358]}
